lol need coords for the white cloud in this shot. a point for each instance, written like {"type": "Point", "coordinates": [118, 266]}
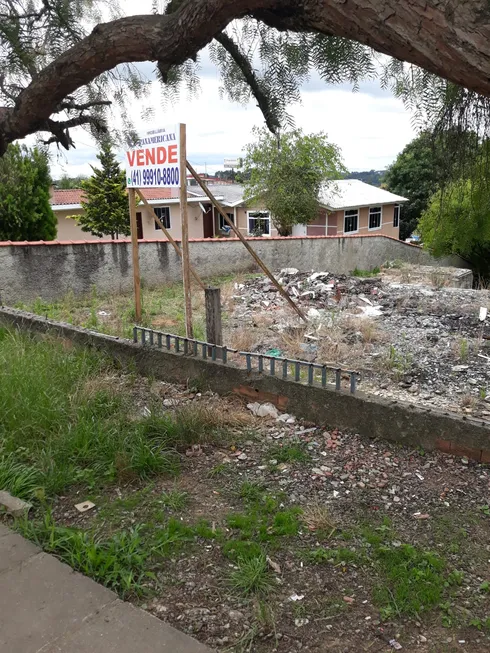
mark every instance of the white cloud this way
{"type": "Point", "coordinates": [370, 129]}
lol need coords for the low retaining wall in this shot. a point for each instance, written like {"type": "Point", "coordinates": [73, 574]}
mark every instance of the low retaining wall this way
{"type": "Point", "coordinates": [368, 415]}
{"type": "Point", "coordinates": [51, 269]}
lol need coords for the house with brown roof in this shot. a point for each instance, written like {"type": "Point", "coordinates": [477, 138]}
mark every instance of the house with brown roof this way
{"type": "Point", "coordinates": [346, 207]}
{"type": "Point", "coordinates": [204, 220]}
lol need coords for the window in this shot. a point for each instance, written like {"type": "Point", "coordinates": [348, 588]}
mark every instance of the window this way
{"type": "Point", "coordinates": [259, 223]}
{"type": "Point", "coordinates": [396, 215]}
{"type": "Point", "coordinates": [163, 212]}
{"type": "Point", "coordinates": [375, 217]}
{"type": "Point", "coordinates": [224, 226]}
{"type": "Point", "coordinates": [351, 221]}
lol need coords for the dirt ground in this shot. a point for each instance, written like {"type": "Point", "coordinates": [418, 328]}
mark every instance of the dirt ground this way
{"type": "Point", "coordinates": [370, 546]}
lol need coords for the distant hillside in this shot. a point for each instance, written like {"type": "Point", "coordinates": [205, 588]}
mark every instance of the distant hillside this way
{"type": "Point", "coordinates": [372, 177]}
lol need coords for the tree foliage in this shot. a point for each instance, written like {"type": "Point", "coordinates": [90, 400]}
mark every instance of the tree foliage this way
{"type": "Point", "coordinates": [373, 177]}
{"type": "Point", "coordinates": [66, 182]}
{"type": "Point", "coordinates": [105, 202]}
{"type": "Point", "coordinates": [61, 65]}
{"type": "Point", "coordinates": [25, 210]}
{"type": "Point", "coordinates": [286, 173]}
{"type": "Point", "coordinates": [35, 32]}
{"type": "Point", "coordinates": [422, 168]}
{"type": "Point", "coordinates": [457, 221]}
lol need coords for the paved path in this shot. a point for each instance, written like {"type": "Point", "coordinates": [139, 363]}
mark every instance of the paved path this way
{"type": "Point", "coordinates": [46, 607]}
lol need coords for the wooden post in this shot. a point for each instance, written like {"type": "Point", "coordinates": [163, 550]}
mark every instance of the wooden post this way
{"type": "Point", "coordinates": [135, 253]}
{"type": "Point", "coordinates": [186, 273]}
{"type": "Point", "coordinates": [214, 333]}
{"type": "Point", "coordinates": [167, 234]}
{"type": "Point", "coordinates": [238, 233]}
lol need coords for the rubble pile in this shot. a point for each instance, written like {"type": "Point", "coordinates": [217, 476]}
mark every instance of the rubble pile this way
{"type": "Point", "coordinates": [408, 340]}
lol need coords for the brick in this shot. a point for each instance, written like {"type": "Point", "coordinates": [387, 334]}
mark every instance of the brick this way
{"type": "Point", "coordinates": [280, 401]}
{"type": "Point", "coordinates": [471, 454]}
{"type": "Point", "coordinates": [443, 445]}
{"type": "Point", "coordinates": [485, 456]}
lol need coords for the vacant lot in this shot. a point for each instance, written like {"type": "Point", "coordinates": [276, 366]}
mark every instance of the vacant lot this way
{"type": "Point", "coordinates": [250, 534]}
{"type": "Point", "coordinates": [411, 337]}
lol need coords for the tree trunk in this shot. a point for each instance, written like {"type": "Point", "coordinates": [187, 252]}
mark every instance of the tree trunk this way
{"type": "Point", "coordinates": [447, 37]}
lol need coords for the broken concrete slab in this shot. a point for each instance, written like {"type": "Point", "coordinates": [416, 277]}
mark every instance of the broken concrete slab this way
{"type": "Point", "coordinates": [122, 628]}
{"type": "Point", "coordinates": [14, 506]}
{"type": "Point", "coordinates": [14, 550]}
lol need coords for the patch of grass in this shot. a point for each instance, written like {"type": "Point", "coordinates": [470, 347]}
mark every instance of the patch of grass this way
{"type": "Point", "coordinates": [175, 499]}
{"type": "Point", "coordinates": [119, 562]}
{"type": "Point", "coordinates": [21, 480]}
{"type": "Point", "coordinates": [242, 549]}
{"type": "Point", "coordinates": [265, 522]}
{"type": "Point", "coordinates": [366, 273]}
{"type": "Point", "coordinates": [463, 349]}
{"type": "Point", "coordinates": [66, 421]}
{"type": "Point", "coordinates": [289, 453]}
{"type": "Point", "coordinates": [251, 491]}
{"type": "Point", "coordinates": [163, 309]}
{"type": "Point", "coordinates": [194, 424]}
{"type": "Point", "coordinates": [252, 576]}
{"type": "Point", "coordinates": [218, 470]}
{"type": "Point", "coordinates": [399, 362]}
{"type": "Point", "coordinates": [335, 556]}
{"type": "Point", "coordinates": [414, 580]}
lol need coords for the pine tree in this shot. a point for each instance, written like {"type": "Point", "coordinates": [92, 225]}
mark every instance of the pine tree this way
{"type": "Point", "coordinates": [25, 210]}
{"type": "Point", "coordinates": [105, 203]}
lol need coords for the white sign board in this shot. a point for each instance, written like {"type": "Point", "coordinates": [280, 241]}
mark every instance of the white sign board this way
{"type": "Point", "coordinates": [154, 162]}
{"type": "Point", "coordinates": [232, 163]}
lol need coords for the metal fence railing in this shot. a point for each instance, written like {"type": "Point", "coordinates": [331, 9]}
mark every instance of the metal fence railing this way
{"type": "Point", "coordinates": [279, 367]}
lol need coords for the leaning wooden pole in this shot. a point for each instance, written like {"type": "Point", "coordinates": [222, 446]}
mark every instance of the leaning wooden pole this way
{"type": "Point", "coordinates": [135, 254]}
{"type": "Point", "coordinates": [169, 237]}
{"type": "Point", "coordinates": [186, 272]}
{"type": "Point", "coordinates": [254, 255]}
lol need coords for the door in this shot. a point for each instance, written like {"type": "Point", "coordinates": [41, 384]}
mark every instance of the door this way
{"type": "Point", "coordinates": [207, 221]}
{"type": "Point", "coordinates": [139, 225]}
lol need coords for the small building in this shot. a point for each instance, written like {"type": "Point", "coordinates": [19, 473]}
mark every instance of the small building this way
{"type": "Point", "coordinates": [350, 206]}
{"type": "Point", "coordinates": [204, 220]}
{"type": "Point", "coordinates": [345, 207]}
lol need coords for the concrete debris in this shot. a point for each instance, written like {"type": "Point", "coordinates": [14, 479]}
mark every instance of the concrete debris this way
{"type": "Point", "coordinates": [288, 419]}
{"type": "Point", "coordinates": [263, 410]}
{"type": "Point", "coordinates": [14, 506]}
{"type": "Point", "coordinates": [301, 622]}
{"type": "Point", "coordinates": [85, 506]}
{"type": "Point", "coordinates": [411, 336]}
{"type": "Point", "coordinates": [273, 565]}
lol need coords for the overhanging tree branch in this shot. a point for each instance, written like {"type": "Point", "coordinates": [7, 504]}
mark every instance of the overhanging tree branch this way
{"type": "Point", "coordinates": [60, 129]}
{"type": "Point", "coordinates": [71, 105]}
{"type": "Point", "coordinates": [451, 39]}
{"type": "Point", "coordinates": [260, 94]}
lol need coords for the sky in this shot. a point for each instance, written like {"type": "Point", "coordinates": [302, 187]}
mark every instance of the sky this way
{"type": "Point", "coordinates": [370, 126]}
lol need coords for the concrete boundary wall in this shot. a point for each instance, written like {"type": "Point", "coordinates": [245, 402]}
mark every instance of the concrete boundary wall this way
{"type": "Point", "coordinates": [52, 269]}
{"type": "Point", "coordinates": [365, 414]}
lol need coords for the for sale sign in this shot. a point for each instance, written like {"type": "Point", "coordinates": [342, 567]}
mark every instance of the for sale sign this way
{"type": "Point", "coordinates": [154, 162]}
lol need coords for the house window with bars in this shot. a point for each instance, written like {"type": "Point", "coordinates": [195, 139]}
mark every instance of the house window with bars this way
{"type": "Point", "coordinates": [163, 212]}
{"type": "Point", "coordinates": [351, 221]}
{"type": "Point", "coordinates": [375, 217]}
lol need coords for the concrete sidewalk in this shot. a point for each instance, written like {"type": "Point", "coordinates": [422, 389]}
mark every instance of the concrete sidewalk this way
{"type": "Point", "coordinates": [46, 607]}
